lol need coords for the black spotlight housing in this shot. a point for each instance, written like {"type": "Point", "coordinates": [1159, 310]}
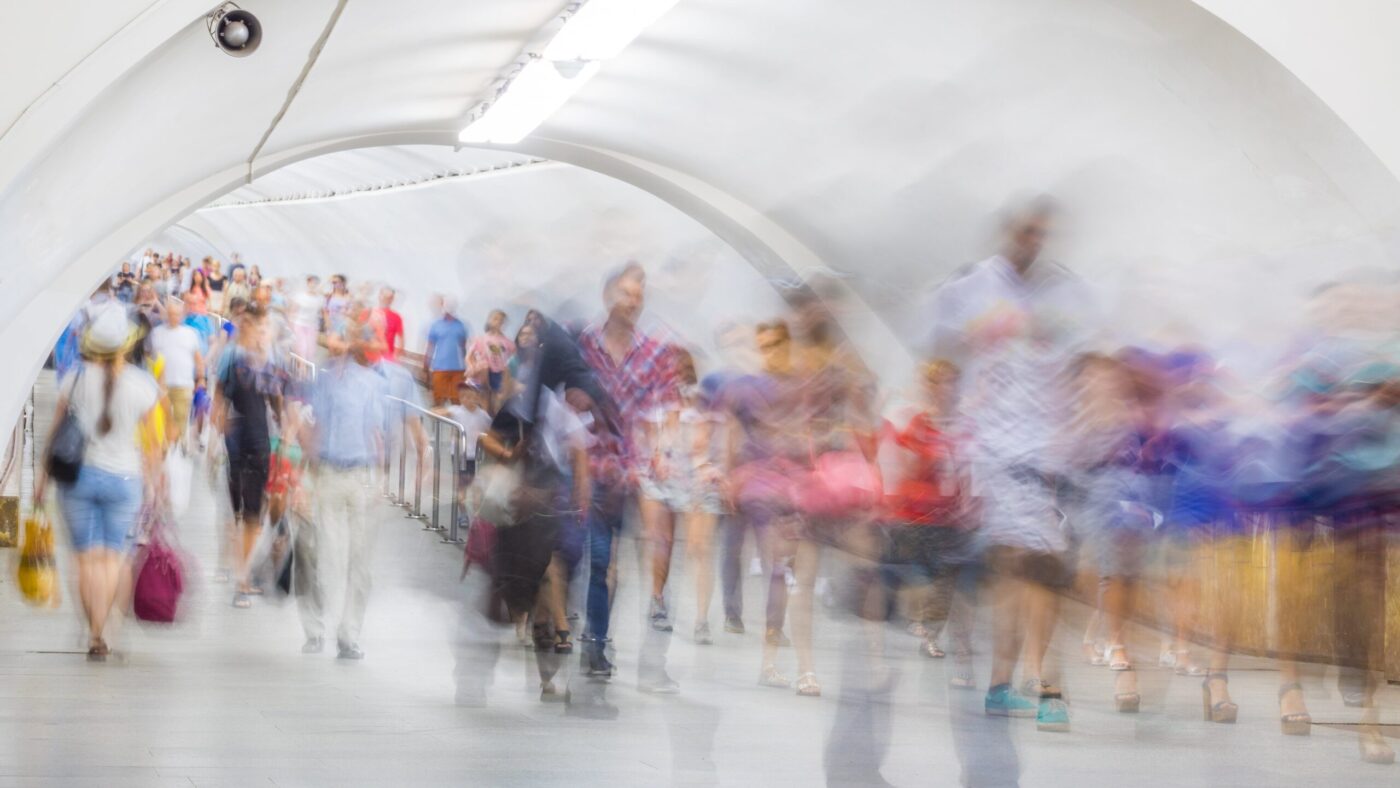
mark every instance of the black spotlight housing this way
{"type": "Point", "coordinates": [235, 31]}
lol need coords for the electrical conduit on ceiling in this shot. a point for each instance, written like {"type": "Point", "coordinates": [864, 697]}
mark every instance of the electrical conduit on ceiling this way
{"type": "Point", "coordinates": [296, 86]}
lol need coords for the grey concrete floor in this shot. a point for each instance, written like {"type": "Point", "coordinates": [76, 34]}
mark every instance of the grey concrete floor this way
{"type": "Point", "coordinates": [226, 699]}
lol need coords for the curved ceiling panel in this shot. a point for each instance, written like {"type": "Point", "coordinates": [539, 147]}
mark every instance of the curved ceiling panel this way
{"type": "Point", "coordinates": [541, 237]}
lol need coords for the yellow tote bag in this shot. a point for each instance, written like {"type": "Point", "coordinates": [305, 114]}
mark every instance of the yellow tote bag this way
{"type": "Point", "coordinates": [38, 572]}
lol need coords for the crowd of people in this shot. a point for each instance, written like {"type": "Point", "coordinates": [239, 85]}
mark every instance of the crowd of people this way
{"type": "Point", "coordinates": [1037, 452]}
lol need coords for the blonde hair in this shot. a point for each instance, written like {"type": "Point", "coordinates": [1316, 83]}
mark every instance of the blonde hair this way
{"type": "Point", "coordinates": [940, 370]}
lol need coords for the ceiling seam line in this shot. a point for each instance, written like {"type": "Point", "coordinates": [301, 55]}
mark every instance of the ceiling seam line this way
{"type": "Point", "coordinates": [371, 190]}
{"type": "Point", "coordinates": [292, 92]}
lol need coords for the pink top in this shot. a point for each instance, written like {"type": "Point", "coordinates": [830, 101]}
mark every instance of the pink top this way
{"type": "Point", "coordinates": [489, 351]}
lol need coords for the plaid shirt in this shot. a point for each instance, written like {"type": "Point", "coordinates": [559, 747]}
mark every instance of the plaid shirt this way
{"type": "Point", "coordinates": [644, 380]}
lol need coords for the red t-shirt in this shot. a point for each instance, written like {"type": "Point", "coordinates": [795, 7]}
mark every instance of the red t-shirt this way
{"type": "Point", "coordinates": [928, 489]}
{"type": "Point", "coordinates": [392, 329]}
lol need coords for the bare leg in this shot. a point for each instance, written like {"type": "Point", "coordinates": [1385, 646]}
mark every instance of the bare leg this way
{"type": "Point", "coordinates": [659, 523]}
{"type": "Point", "coordinates": [252, 529]}
{"type": "Point", "coordinates": [806, 562]}
{"type": "Point", "coordinates": [554, 593]}
{"type": "Point", "coordinates": [1008, 599]}
{"type": "Point", "coordinates": [700, 531]}
{"type": "Point", "coordinates": [1041, 608]}
{"type": "Point", "coordinates": [778, 551]}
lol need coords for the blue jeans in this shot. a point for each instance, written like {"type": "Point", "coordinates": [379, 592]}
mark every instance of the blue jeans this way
{"type": "Point", "coordinates": [604, 525]}
{"type": "Point", "coordinates": [100, 508]}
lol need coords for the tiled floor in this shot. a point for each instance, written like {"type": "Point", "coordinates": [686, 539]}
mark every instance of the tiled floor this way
{"type": "Point", "coordinates": [227, 699]}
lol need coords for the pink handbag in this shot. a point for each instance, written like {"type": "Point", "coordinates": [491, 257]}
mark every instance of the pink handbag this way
{"type": "Point", "coordinates": [160, 580]}
{"type": "Point", "coordinates": [481, 546]}
{"type": "Point", "coordinates": [841, 483]}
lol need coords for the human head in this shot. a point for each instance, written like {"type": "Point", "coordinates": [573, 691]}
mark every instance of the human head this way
{"type": "Point", "coordinates": [109, 334]}
{"type": "Point", "coordinates": [197, 279]}
{"type": "Point", "coordinates": [262, 296]}
{"type": "Point", "coordinates": [214, 266]}
{"type": "Point", "coordinates": [386, 297]}
{"type": "Point", "coordinates": [251, 326]}
{"type": "Point", "coordinates": [1026, 226]}
{"type": "Point", "coordinates": [470, 396]}
{"type": "Point", "coordinates": [774, 342]}
{"type": "Point", "coordinates": [624, 293]}
{"type": "Point", "coordinates": [338, 283]}
{"type": "Point", "coordinates": [496, 321]}
{"type": "Point", "coordinates": [684, 365]}
{"type": "Point", "coordinates": [126, 267]}
{"type": "Point", "coordinates": [145, 294]}
{"type": "Point", "coordinates": [174, 312]}
{"type": "Point", "coordinates": [527, 338]}
{"type": "Point", "coordinates": [239, 274]}
{"type": "Point", "coordinates": [940, 382]}
{"type": "Point", "coordinates": [437, 304]}
{"type": "Point", "coordinates": [313, 283]}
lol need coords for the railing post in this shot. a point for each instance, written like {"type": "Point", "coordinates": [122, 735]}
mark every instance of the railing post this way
{"type": "Point", "coordinates": [455, 509]}
{"type": "Point", "coordinates": [403, 452]}
{"type": "Point", "coordinates": [417, 510]}
{"type": "Point", "coordinates": [437, 476]}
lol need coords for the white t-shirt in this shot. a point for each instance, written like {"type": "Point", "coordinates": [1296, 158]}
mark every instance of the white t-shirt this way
{"type": "Point", "coordinates": [133, 396]}
{"type": "Point", "coordinates": [474, 422]}
{"type": "Point", "coordinates": [308, 308]}
{"type": "Point", "coordinates": [178, 347]}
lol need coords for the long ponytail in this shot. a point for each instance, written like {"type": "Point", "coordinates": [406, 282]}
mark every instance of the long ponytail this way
{"type": "Point", "coordinates": [109, 384]}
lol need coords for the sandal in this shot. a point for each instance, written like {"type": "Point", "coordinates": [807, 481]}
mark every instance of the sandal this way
{"type": "Point", "coordinates": [1297, 723]}
{"type": "Point", "coordinates": [807, 686]}
{"type": "Point", "coordinates": [1094, 653]}
{"type": "Point", "coordinates": [961, 677]}
{"type": "Point", "coordinates": [1374, 748]}
{"type": "Point", "coordinates": [1221, 711]}
{"type": "Point", "coordinates": [562, 644]}
{"type": "Point", "coordinates": [931, 650]}
{"type": "Point", "coordinates": [98, 651]}
{"type": "Point", "coordinates": [242, 601]}
{"type": "Point", "coordinates": [1127, 702]}
{"type": "Point", "coordinates": [1116, 656]}
{"type": "Point", "coordinates": [770, 677]}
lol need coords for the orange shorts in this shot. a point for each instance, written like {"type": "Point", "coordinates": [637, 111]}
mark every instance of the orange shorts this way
{"type": "Point", "coordinates": [445, 385]}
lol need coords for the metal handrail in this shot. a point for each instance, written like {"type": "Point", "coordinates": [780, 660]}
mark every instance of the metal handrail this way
{"type": "Point", "coordinates": [302, 363]}
{"type": "Point", "coordinates": [458, 433]}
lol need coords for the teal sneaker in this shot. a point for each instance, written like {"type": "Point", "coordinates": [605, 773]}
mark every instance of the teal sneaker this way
{"type": "Point", "coordinates": [1002, 701]}
{"type": "Point", "coordinates": [1053, 714]}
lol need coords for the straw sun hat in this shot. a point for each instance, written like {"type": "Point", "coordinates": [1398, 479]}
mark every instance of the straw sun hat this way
{"type": "Point", "coordinates": [109, 333]}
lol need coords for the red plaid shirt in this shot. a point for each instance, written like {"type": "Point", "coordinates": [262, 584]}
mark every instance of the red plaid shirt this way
{"type": "Point", "coordinates": [644, 380]}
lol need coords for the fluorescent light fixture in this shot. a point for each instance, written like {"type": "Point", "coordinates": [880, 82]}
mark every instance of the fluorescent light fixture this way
{"type": "Point", "coordinates": [600, 29]}
{"type": "Point", "coordinates": [527, 100]}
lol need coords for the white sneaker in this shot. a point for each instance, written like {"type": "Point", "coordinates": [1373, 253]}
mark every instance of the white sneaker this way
{"type": "Point", "coordinates": [755, 567]}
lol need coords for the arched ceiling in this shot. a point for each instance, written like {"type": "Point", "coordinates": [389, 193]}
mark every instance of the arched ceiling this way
{"type": "Point", "coordinates": [537, 236]}
{"type": "Point", "coordinates": [873, 138]}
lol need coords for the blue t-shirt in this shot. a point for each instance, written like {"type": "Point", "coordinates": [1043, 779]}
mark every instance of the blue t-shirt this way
{"type": "Point", "coordinates": [448, 336]}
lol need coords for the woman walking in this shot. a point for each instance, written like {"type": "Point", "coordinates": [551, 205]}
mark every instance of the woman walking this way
{"type": "Point", "coordinates": [109, 399]}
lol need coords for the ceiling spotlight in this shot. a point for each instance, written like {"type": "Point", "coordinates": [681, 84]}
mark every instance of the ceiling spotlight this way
{"type": "Point", "coordinates": [234, 30]}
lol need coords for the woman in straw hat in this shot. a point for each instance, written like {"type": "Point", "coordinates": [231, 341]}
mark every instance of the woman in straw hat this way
{"type": "Point", "coordinates": [110, 400]}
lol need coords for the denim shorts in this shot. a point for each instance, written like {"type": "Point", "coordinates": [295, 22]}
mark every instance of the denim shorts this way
{"type": "Point", "coordinates": [101, 508]}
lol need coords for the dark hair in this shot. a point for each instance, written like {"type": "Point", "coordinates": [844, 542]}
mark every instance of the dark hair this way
{"type": "Point", "coordinates": [780, 326]}
{"type": "Point", "coordinates": [1039, 206]}
{"type": "Point", "coordinates": [630, 269]}
{"type": "Point", "coordinates": [109, 384]}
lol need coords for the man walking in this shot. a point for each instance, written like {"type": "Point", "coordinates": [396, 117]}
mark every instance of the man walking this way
{"type": "Point", "coordinates": [183, 370]}
{"type": "Point", "coordinates": [347, 404]}
{"type": "Point", "coordinates": [446, 354]}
